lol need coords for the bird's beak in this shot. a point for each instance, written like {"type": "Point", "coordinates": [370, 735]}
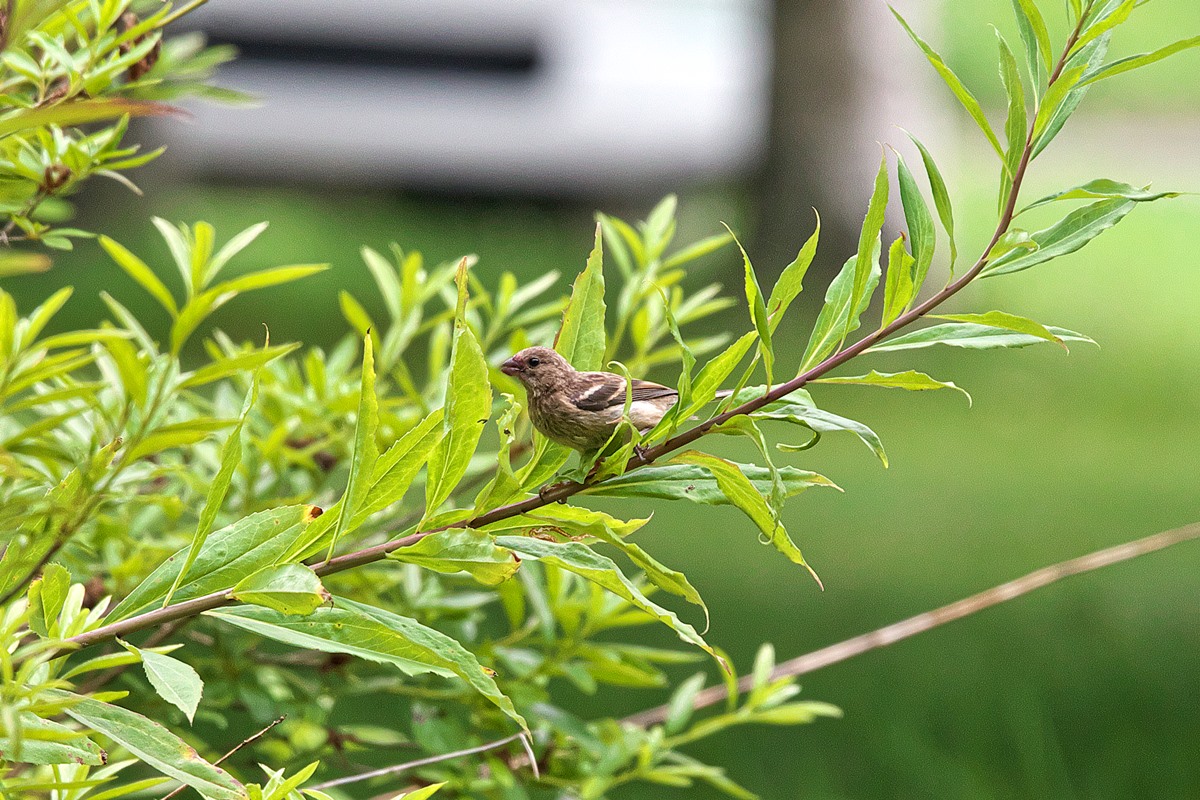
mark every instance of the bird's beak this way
{"type": "Point", "coordinates": [510, 367]}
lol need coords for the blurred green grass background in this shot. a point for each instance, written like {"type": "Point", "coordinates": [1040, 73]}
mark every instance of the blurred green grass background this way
{"type": "Point", "coordinates": [1084, 690]}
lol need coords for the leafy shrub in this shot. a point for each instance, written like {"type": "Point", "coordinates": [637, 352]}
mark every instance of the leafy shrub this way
{"type": "Point", "coordinates": [169, 515]}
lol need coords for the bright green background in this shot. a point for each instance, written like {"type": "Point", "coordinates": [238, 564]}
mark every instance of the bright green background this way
{"type": "Point", "coordinates": [1083, 690]}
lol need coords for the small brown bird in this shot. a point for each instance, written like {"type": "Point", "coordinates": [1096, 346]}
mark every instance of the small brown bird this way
{"type": "Point", "coordinates": [582, 409]}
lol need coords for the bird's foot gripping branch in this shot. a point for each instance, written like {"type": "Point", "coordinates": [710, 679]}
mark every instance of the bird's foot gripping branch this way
{"type": "Point", "coordinates": [451, 572]}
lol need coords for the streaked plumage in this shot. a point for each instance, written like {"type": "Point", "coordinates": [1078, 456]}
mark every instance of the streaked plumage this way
{"type": "Point", "coordinates": [582, 409]}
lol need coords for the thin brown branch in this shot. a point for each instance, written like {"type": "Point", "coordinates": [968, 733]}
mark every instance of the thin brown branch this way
{"type": "Point", "coordinates": [236, 747]}
{"type": "Point", "coordinates": [396, 769]}
{"type": "Point", "coordinates": [898, 631]}
{"type": "Point", "coordinates": [561, 492]}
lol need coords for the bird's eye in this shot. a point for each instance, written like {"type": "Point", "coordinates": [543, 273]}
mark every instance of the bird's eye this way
{"type": "Point", "coordinates": [533, 362]}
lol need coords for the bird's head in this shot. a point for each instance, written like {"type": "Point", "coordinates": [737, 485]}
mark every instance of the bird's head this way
{"type": "Point", "coordinates": [538, 368]}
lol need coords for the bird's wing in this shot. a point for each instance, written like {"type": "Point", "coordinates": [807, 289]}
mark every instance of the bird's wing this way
{"type": "Point", "coordinates": [601, 390]}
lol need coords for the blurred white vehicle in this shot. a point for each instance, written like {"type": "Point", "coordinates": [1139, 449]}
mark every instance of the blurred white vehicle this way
{"type": "Point", "coordinates": [548, 96]}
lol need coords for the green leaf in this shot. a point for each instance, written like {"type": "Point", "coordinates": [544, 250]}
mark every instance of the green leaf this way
{"type": "Point", "coordinates": [941, 197]}
{"type": "Point", "coordinates": [920, 225]}
{"type": "Point", "coordinates": [972, 337]}
{"type": "Point", "coordinates": [1108, 19]}
{"type": "Point", "coordinates": [898, 288]}
{"type": "Point", "coordinates": [152, 744]}
{"type": "Point", "coordinates": [468, 407]}
{"type": "Point", "coordinates": [235, 365]}
{"type": "Point", "coordinates": [43, 741]}
{"type": "Point", "coordinates": [15, 263]}
{"type": "Point", "coordinates": [424, 793]}
{"type": "Point", "coordinates": [396, 468]}
{"type": "Point", "coordinates": [1017, 120]}
{"type": "Point", "coordinates": [505, 485]}
{"type": "Point", "coordinates": [236, 244]}
{"type": "Point", "coordinates": [137, 269]}
{"type": "Point", "coordinates": [1136, 62]}
{"type": "Point", "coordinates": [910, 380]}
{"type": "Point", "coordinates": [1087, 58]}
{"type": "Point", "coordinates": [461, 550]}
{"type": "Point", "coordinates": [1000, 319]}
{"type": "Point", "coordinates": [796, 713]}
{"type": "Point", "coordinates": [41, 316]}
{"type": "Point", "coordinates": [798, 408]}
{"type": "Point", "coordinates": [268, 277]}
{"type": "Point", "coordinates": [588, 564]}
{"type": "Point", "coordinates": [687, 482]}
{"type": "Point", "coordinates": [956, 86]}
{"type": "Point", "coordinates": [838, 318]}
{"type": "Point", "coordinates": [597, 526]}
{"type": "Point", "coordinates": [292, 589]}
{"type": "Point", "coordinates": [758, 313]}
{"type": "Point", "coordinates": [866, 261]}
{"type": "Point", "coordinates": [1036, 36]}
{"type": "Point", "coordinates": [1066, 236]}
{"type": "Point", "coordinates": [743, 494]}
{"type": "Point", "coordinates": [173, 680]}
{"type": "Point", "coordinates": [713, 374]}
{"type": "Point", "coordinates": [791, 281]}
{"type": "Point", "coordinates": [376, 635]}
{"type": "Point", "coordinates": [231, 456]}
{"type": "Point", "coordinates": [366, 449]}
{"type": "Point", "coordinates": [227, 556]}
{"type": "Point", "coordinates": [700, 249]}
{"type": "Point", "coordinates": [46, 597]}
{"type": "Point", "coordinates": [78, 112]}
{"type": "Point", "coordinates": [581, 340]}
{"type": "Point", "coordinates": [1102, 188]}
{"type": "Point", "coordinates": [179, 434]}
{"type": "Point", "coordinates": [680, 707]}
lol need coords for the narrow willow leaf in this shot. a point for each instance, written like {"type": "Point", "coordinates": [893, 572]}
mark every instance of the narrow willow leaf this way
{"type": "Point", "coordinates": [590, 565]}
{"type": "Point", "coordinates": [40, 317]}
{"type": "Point", "coordinates": [581, 339]}
{"type": "Point", "coordinates": [898, 288]}
{"type": "Point", "coordinates": [1017, 120]}
{"type": "Point", "coordinates": [42, 741]}
{"type": "Point", "coordinates": [941, 196]}
{"type": "Point", "coordinates": [687, 482]}
{"type": "Point", "coordinates": [398, 466]}
{"type": "Point", "coordinates": [386, 278]}
{"type": "Point", "coordinates": [708, 381]}
{"type": "Point", "coordinates": [597, 526]}
{"type": "Point", "coordinates": [505, 485]}
{"type": "Point", "coordinates": [972, 337]}
{"type": "Point", "coordinates": [152, 744]}
{"type": "Point", "coordinates": [700, 249]}
{"type": "Point", "coordinates": [137, 269]}
{"type": "Point", "coordinates": [292, 589]}
{"type": "Point", "coordinates": [1086, 59]}
{"type": "Point", "coordinates": [267, 277]}
{"type": "Point", "coordinates": [366, 449]}
{"type": "Point", "coordinates": [1136, 62]}
{"type": "Point", "coordinates": [1011, 322]}
{"type": "Point", "coordinates": [798, 408]}
{"type": "Point", "coordinates": [236, 244]}
{"type": "Point", "coordinates": [960, 91]}
{"type": "Point", "coordinates": [791, 281]}
{"type": "Point", "coordinates": [173, 680]}
{"type": "Point", "coordinates": [911, 380]}
{"type": "Point", "coordinates": [920, 225]}
{"type": "Point", "coordinates": [46, 597]}
{"type": "Point", "coordinates": [468, 406]}
{"type": "Point", "coordinates": [1104, 22]}
{"type": "Point", "coordinates": [758, 312]}
{"type": "Point", "coordinates": [1036, 36]}
{"type": "Point", "coordinates": [1103, 188]}
{"type": "Point", "coordinates": [742, 493]}
{"type": "Point", "coordinates": [235, 365]}
{"type": "Point", "coordinates": [424, 793]}
{"type": "Point", "coordinates": [227, 556]}
{"type": "Point", "coordinates": [838, 317]}
{"type": "Point", "coordinates": [1056, 99]}
{"type": "Point", "coordinates": [866, 260]}
{"type": "Point", "coordinates": [681, 706]}
{"type": "Point", "coordinates": [231, 456]}
{"type": "Point", "coordinates": [461, 550]}
{"type": "Point", "coordinates": [376, 635]}
{"type": "Point", "coordinates": [1066, 236]}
